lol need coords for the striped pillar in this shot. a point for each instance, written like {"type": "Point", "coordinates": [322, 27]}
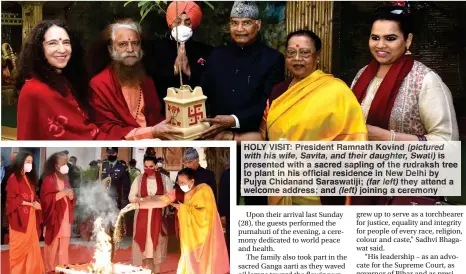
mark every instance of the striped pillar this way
{"type": "Point", "coordinates": [316, 16]}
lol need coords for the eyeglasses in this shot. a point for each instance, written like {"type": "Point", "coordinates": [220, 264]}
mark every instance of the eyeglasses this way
{"type": "Point", "coordinates": [125, 44]}
{"type": "Point", "coordinates": [247, 23]}
{"type": "Point", "coordinates": [303, 52]}
{"type": "Point", "coordinates": [55, 44]}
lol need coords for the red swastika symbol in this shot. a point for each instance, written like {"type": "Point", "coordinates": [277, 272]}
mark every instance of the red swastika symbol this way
{"type": "Point", "coordinates": [174, 110]}
{"type": "Point", "coordinates": [195, 114]}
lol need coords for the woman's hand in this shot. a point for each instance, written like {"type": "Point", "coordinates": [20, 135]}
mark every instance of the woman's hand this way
{"type": "Point", "coordinates": [224, 221]}
{"type": "Point", "coordinates": [177, 206]}
{"type": "Point", "coordinates": [70, 194]}
{"type": "Point", "coordinates": [129, 207]}
{"type": "Point", "coordinates": [225, 135]}
{"type": "Point", "coordinates": [24, 203]}
{"type": "Point", "coordinates": [378, 134]}
{"type": "Point", "coordinates": [36, 205]}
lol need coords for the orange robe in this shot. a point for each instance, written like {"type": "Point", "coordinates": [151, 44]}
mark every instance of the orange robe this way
{"type": "Point", "coordinates": [203, 246]}
{"type": "Point", "coordinates": [25, 256]}
{"type": "Point", "coordinates": [318, 108]}
{"type": "Point", "coordinates": [58, 217]}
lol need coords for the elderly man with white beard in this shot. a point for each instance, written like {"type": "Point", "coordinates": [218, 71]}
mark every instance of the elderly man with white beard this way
{"type": "Point", "coordinates": [123, 98]}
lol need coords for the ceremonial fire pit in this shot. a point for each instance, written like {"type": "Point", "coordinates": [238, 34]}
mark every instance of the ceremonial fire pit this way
{"type": "Point", "coordinates": [102, 263]}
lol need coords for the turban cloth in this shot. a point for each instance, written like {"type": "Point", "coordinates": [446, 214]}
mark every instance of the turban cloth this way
{"type": "Point", "coordinates": [189, 7]}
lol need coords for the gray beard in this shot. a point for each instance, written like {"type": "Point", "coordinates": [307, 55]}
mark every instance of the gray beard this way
{"type": "Point", "coordinates": [132, 76]}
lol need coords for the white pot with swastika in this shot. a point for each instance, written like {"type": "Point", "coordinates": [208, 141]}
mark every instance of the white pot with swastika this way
{"type": "Point", "coordinates": [186, 109]}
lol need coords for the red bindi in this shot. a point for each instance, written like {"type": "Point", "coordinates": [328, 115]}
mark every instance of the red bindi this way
{"type": "Point", "coordinates": [297, 45]}
{"type": "Point", "coordinates": [59, 39]}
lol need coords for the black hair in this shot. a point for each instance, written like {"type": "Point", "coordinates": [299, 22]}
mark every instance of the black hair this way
{"type": "Point", "coordinates": [132, 162]}
{"type": "Point", "coordinates": [396, 14]}
{"type": "Point", "coordinates": [32, 62]}
{"type": "Point", "coordinates": [150, 157]}
{"type": "Point", "coordinates": [150, 151]}
{"type": "Point", "coordinates": [311, 35]}
{"type": "Point", "coordinates": [50, 164]}
{"type": "Point", "coordinates": [18, 166]}
{"type": "Point", "coordinates": [73, 157]}
{"type": "Point", "coordinates": [188, 172]}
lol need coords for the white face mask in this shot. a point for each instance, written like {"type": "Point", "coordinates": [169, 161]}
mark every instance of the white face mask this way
{"type": "Point", "coordinates": [64, 169]}
{"type": "Point", "coordinates": [27, 168]}
{"type": "Point", "coordinates": [185, 188]}
{"type": "Point", "coordinates": [159, 165]}
{"type": "Point", "coordinates": [184, 33]}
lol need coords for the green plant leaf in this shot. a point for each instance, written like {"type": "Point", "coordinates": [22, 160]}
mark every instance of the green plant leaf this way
{"type": "Point", "coordinates": [146, 6]}
{"type": "Point", "coordinates": [161, 10]}
{"type": "Point", "coordinates": [209, 4]}
{"type": "Point", "coordinates": [127, 3]}
{"type": "Point", "coordinates": [142, 3]}
{"type": "Point", "coordinates": [146, 12]}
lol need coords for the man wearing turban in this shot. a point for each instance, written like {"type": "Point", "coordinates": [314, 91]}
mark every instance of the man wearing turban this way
{"type": "Point", "coordinates": [168, 60]}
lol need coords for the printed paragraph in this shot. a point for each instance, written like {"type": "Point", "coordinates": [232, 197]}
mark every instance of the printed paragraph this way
{"type": "Point", "coordinates": [349, 240]}
{"type": "Point", "coordinates": [351, 169]}
{"type": "Point", "coordinates": [407, 242]}
{"type": "Point", "coordinates": [297, 242]}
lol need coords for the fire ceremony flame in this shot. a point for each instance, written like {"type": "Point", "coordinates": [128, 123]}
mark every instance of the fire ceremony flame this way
{"type": "Point", "coordinates": [103, 249]}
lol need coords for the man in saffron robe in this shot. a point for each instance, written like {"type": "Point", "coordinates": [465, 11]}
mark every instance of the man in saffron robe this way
{"type": "Point", "coordinates": [203, 247]}
{"type": "Point", "coordinates": [123, 97]}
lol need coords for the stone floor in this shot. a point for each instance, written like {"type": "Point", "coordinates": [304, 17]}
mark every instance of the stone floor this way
{"type": "Point", "coordinates": [82, 251]}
